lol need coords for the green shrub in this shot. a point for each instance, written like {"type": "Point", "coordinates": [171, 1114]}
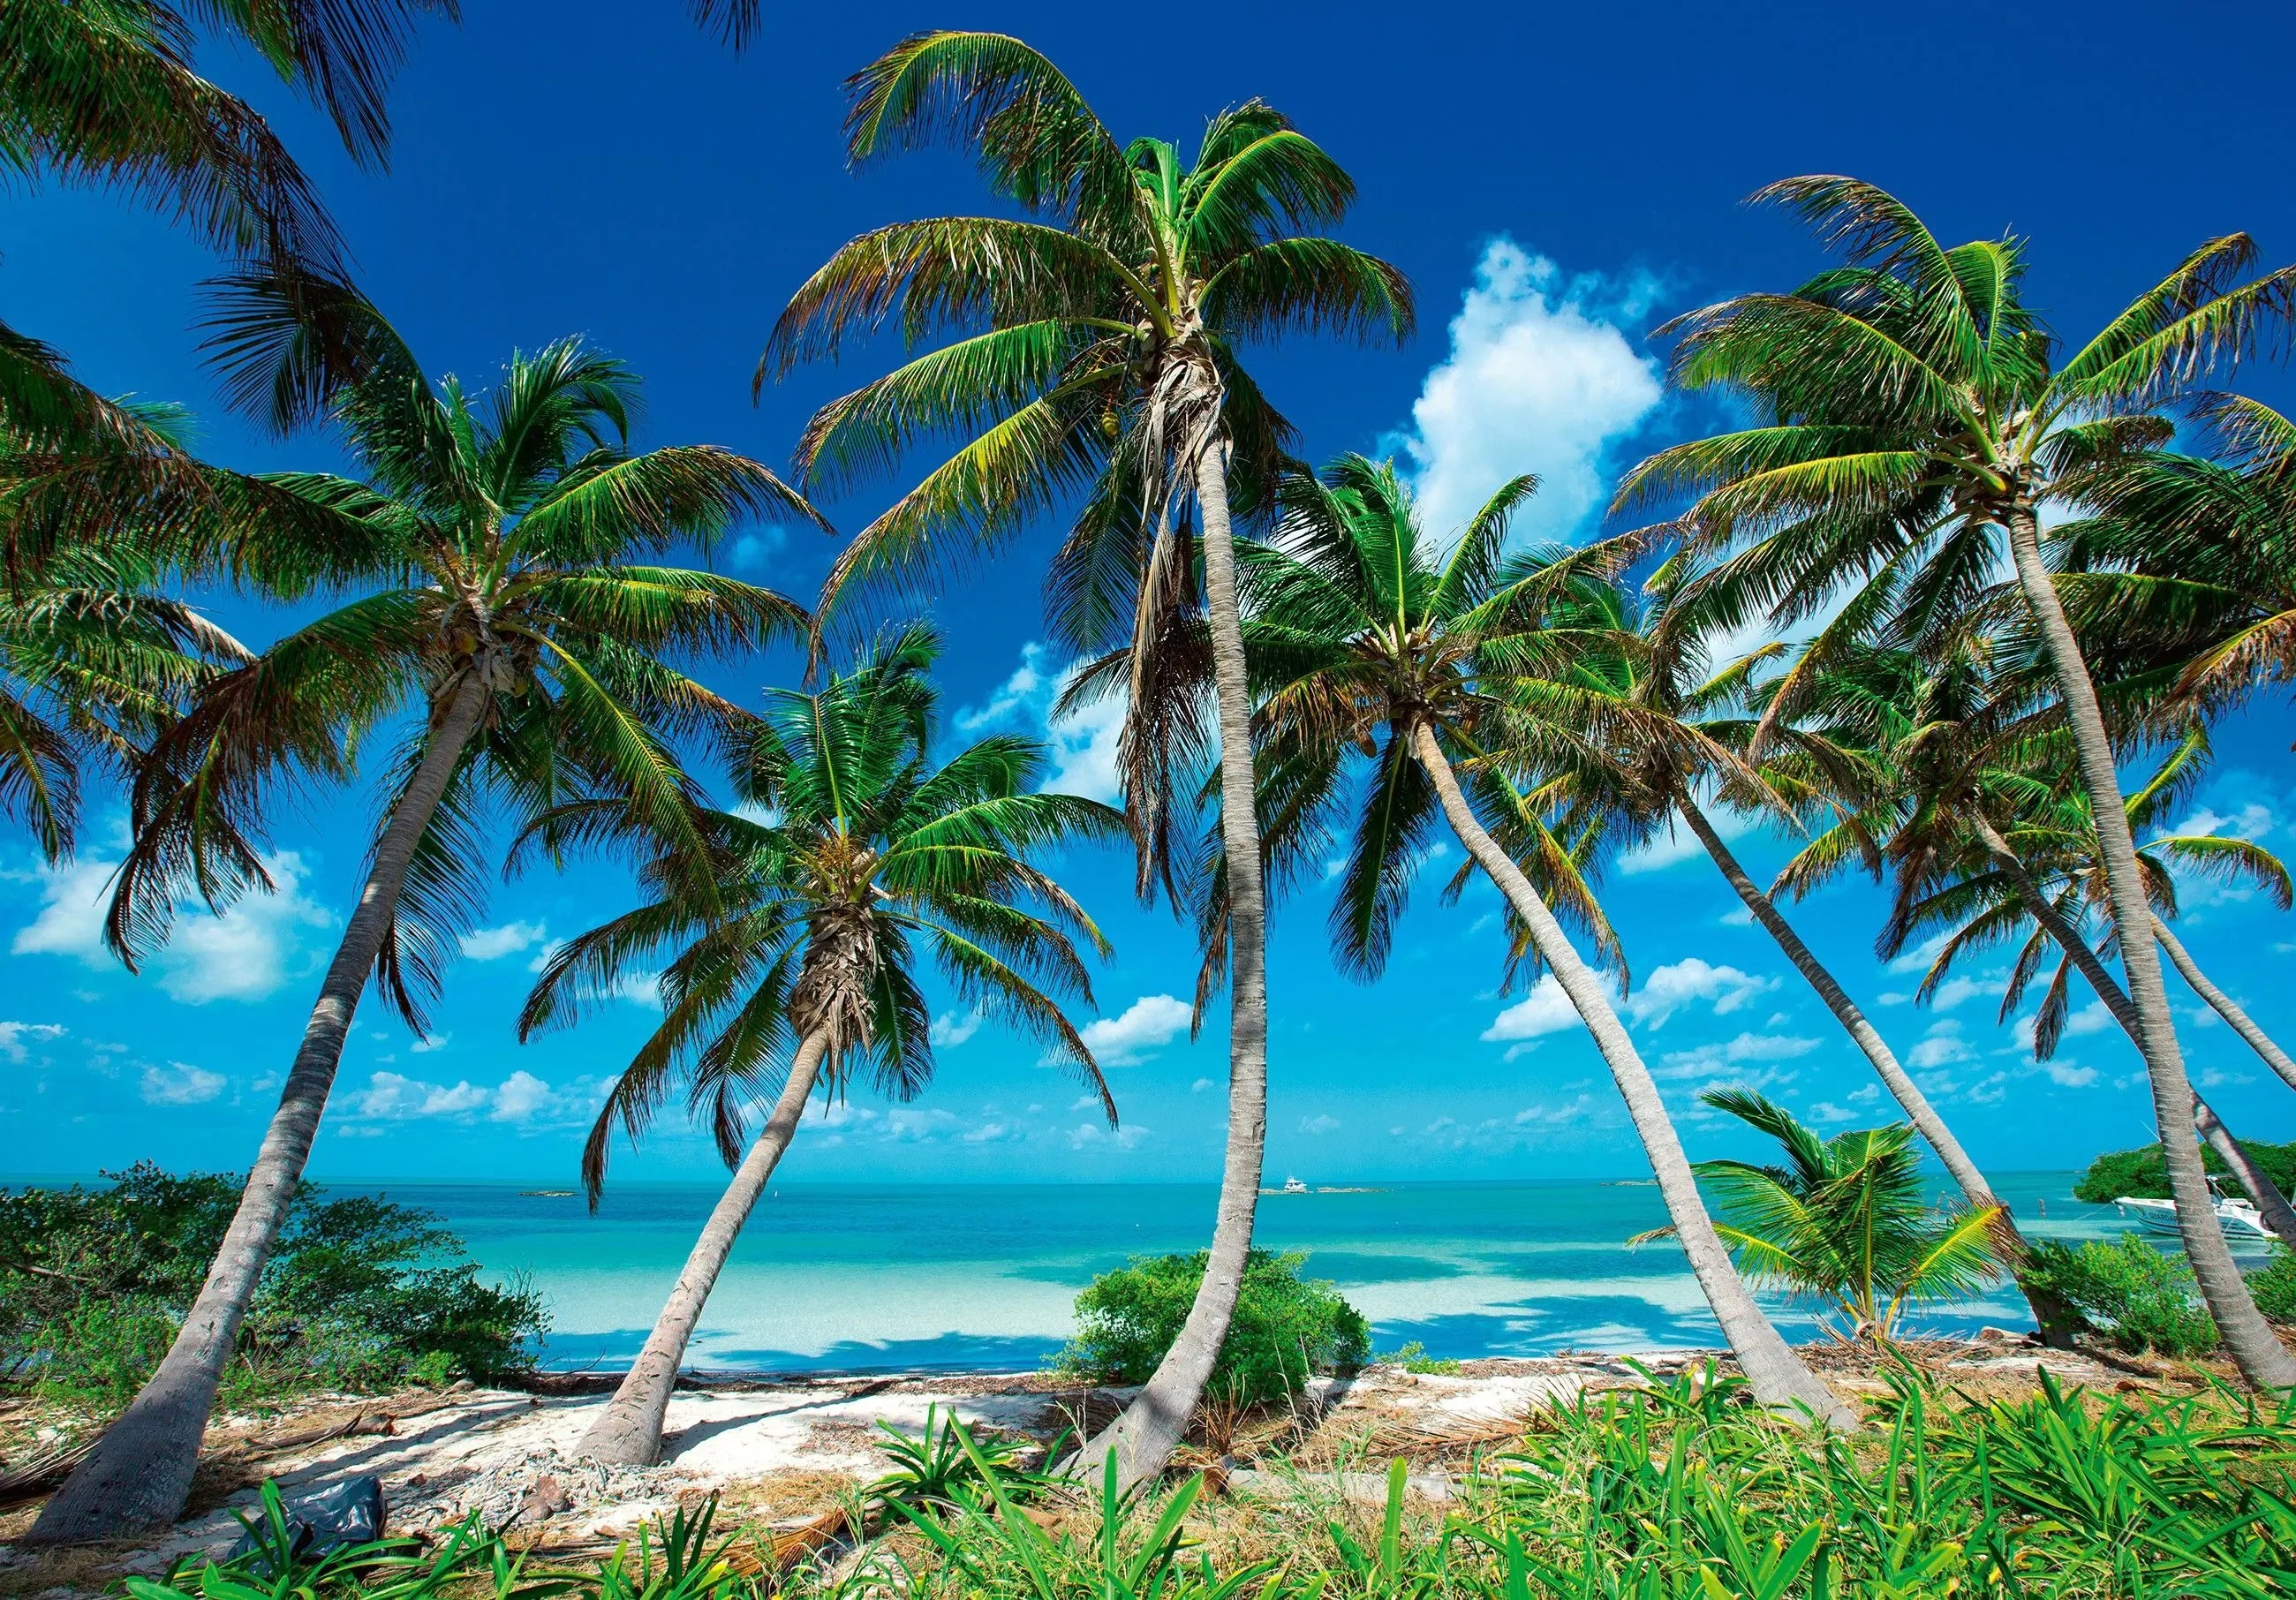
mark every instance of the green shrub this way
{"type": "Point", "coordinates": [2274, 1287]}
{"type": "Point", "coordinates": [360, 1294]}
{"type": "Point", "coordinates": [2137, 1298]}
{"type": "Point", "coordinates": [1413, 1357]}
{"type": "Point", "coordinates": [1285, 1326]}
{"type": "Point", "coordinates": [2143, 1175]}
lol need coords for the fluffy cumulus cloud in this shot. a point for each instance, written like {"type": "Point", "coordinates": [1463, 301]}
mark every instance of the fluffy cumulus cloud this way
{"type": "Point", "coordinates": [492, 944]}
{"type": "Point", "coordinates": [179, 1083]}
{"type": "Point", "coordinates": [1745, 1049]}
{"type": "Point", "coordinates": [16, 1038]}
{"type": "Point", "coordinates": [1678, 844]}
{"type": "Point", "coordinates": [250, 953]}
{"type": "Point", "coordinates": [1144, 1027]}
{"type": "Point", "coordinates": [1316, 1127]}
{"type": "Point", "coordinates": [520, 1100]}
{"type": "Point", "coordinates": [953, 1027]}
{"type": "Point", "coordinates": [1546, 374]}
{"type": "Point", "coordinates": [1692, 982]}
{"type": "Point", "coordinates": [1083, 744]}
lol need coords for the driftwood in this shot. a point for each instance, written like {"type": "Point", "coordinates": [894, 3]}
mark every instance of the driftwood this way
{"type": "Point", "coordinates": [365, 1424]}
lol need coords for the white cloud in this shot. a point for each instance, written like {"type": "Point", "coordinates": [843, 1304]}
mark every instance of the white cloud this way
{"type": "Point", "coordinates": [1145, 1026]}
{"type": "Point", "coordinates": [1092, 1136]}
{"type": "Point", "coordinates": [1959, 987]}
{"type": "Point", "coordinates": [1200, 1084]}
{"type": "Point", "coordinates": [993, 1133]}
{"type": "Point", "coordinates": [1542, 377]}
{"type": "Point", "coordinates": [12, 1035]}
{"type": "Point", "coordinates": [1678, 844]}
{"type": "Point", "coordinates": [179, 1083]}
{"type": "Point", "coordinates": [953, 1027]}
{"type": "Point", "coordinates": [522, 1098]}
{"type": "Point", "coordinates": [2095, 1017]}
{"type": "Point", "coordinates": [1825, 1110]}
{"type": "Point", "coordinates": [248, 954]}
{"type": "Point", "coordinates": [1942, 1047]}
{"type": "Point", "coordinates": [1867, 1096]}
{"type": "Point", "coordinates": [1743, 917]}
{"type": "Point", "coordinates": [1682, 983]}
{"type": "Point", "coordinates": [1550, 1116]}
{"type": "Point", "coordinates": [1084, 744]}
{"type": "Point", "coordinates": [492, 944]}
{"type": "Point", "coordinates": [1547, 1009]}
{"type": "Point", "coordinates": [1318, 1126]}
{"type": "Point", "coordinates": [437, 1041]}
{"type": "Point", "coordinates": [1767, 1048]}
{"type": "Point", "coordinates": [393, 1096]}
{"type": "Point", "coordinates": [2070, 1076]}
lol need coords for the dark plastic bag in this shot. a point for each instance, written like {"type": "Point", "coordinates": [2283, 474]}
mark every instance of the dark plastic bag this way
{"type": "Point", "coordinates": [342, 1514]}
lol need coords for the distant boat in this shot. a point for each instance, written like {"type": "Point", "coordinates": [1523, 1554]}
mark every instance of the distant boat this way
{"type": "Point", "coordinates": [2241, 1220]}
{"type": "Point", "coordinates": [1292, 1186]}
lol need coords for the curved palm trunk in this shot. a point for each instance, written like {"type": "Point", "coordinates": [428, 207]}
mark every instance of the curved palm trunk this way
{"type": "Point", "coordinates": [2263, 1361]}
{"type": "Point", "coordinates": [141, 1470]}
{"type": "Point", "coordinates": [2270, 1203]}
{"type": "Point", "coordinates": [1145, 1435]}
{"type": "Point", "coordinates": [2050, 1314]}
{"type": "Point", "coordinates": [1778, 1376]}
{"type": "Point", "coordinates": [628, 1431]}
{"type": "Point", "coordinates": [2259, 1041]}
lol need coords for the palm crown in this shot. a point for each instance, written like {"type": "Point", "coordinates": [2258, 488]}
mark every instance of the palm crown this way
{"type": "Point", "coordinates": [491, 550]}
{"type": "Point", "coordinates": [869, 854]}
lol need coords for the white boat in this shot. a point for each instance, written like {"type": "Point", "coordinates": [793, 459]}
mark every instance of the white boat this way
{"type": "Point", "coordinates": [1292, 1186]}
{"type": "Point", "coordinates": [2242, 1222]}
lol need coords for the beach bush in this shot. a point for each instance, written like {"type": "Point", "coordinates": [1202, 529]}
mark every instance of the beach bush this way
{"type": "Point", "coordinates": [2135, 1297]}
{"type": "Point", "coordinates": [2274, 1287]}
{"type": "Point", "coordinates": [2143, 1175]}
{"type": "Point", "coordinates": [360, 1294]}
{"type": "Point", "coordinates": [1286, 1327]}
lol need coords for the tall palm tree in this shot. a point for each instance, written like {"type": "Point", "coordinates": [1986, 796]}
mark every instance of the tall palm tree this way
{"type": "Point", "coordinates": [494, 557]}
{"type": "Point", "coordinates": [1916, 416]}
{"type": "Point", "coordinates": [1670, 675]}
{"type": "Point", "coordinates": [1366, 639]}
{"type": "Point", "coordinates": [1097, 359]}
{"type": "Point", "coordinates": [808, 939]}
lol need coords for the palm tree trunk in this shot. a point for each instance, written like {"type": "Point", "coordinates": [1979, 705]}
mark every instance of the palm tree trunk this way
{"type": "Point", "coordinates": [141, 1470]}
{"type": "Point", "coordinates": [2050, 1315]}
{"type": "Point", "coordinates": [628, 1431]}
{"type": "Point", "coordinates": [1778, 1376]}
{"type": "Point", "coordinates": [1151, 1427]}
{"type": "Point", "coordinates": [2263, 1361]}
{"type": "Point", "coordinates": [2242, 1022]}
{"type": "Point", "coordinates": [2262, 1193]}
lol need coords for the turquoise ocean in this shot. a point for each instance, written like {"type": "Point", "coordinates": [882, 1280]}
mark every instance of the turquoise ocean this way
{"type": "Point", "coordinates": [849, 1278]}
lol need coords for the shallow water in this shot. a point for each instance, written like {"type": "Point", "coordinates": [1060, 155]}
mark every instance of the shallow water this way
{"type": "Point", "coordinates": [836, 1278]}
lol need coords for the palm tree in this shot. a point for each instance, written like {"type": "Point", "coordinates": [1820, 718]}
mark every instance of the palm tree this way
{"type": "Point", "coordinates": [1365, 639]}
{"type": "Point", "coordinates": [493, 555]}
{"type": "Point", "coordinates": [2043, 867]}
{"type": "Point", "coordinates": [106, 92]}
{"type": "Point", "coordinates": [1098, 358]}
{"type": "Point", "coordinates": [807, 936]}
{"type": "Point", "coordinates": [1845, 1220]}
{"type": "Point", "coordinates": [1670, 675]}
{"type": "Point", "coordinates": [1916, 415]}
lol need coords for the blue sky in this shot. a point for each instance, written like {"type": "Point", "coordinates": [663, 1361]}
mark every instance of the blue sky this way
{"type": "Point", "coordinates": [1555, 184]}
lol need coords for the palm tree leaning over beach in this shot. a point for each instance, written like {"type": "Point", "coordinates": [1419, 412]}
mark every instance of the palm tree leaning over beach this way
{"type": "Point", "coordinates": [495, 556]}
{"type": "Point", "coordinates": [802, 933]}
{"type": "Point", "coordinates": [1362, 636]}
{"type": "Point", "coordinates": [1668, 674]}
{"type": "Point", "coordinates": [1916, 416]}
{"type": "Point", "coordinates": [1098, 356]}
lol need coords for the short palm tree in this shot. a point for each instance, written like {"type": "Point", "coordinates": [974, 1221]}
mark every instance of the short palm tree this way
{"type": "Point", "coordinates": [493, 552]}
{"type": "Point", "coordinates": [1916, 415]}
{"type": "Point", "coordinates": [1098, 357]}
{"type": "Point", "coordinates": [801, 933]}
{"type": "Point", "coordinates": [1845, 1221]}
{"type": "Point", "coordinates": [1365, 637]}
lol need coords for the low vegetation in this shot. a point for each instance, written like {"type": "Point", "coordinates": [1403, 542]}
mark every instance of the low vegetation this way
{"type": "Point", "coordinates": [2143, 1175]}
{"type": "Point", "coordinates": [1682, 1491]}
{"type": "Point", "coordinates": [2137, 1298]}
{"type": "Point", "coordinates": [363, 1294]}
{"type": "Point", "coordinates": [1286, 1329]}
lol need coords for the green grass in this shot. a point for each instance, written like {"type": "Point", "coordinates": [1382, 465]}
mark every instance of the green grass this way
{"type": "Point", "coordinates": [1683, 1491]}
